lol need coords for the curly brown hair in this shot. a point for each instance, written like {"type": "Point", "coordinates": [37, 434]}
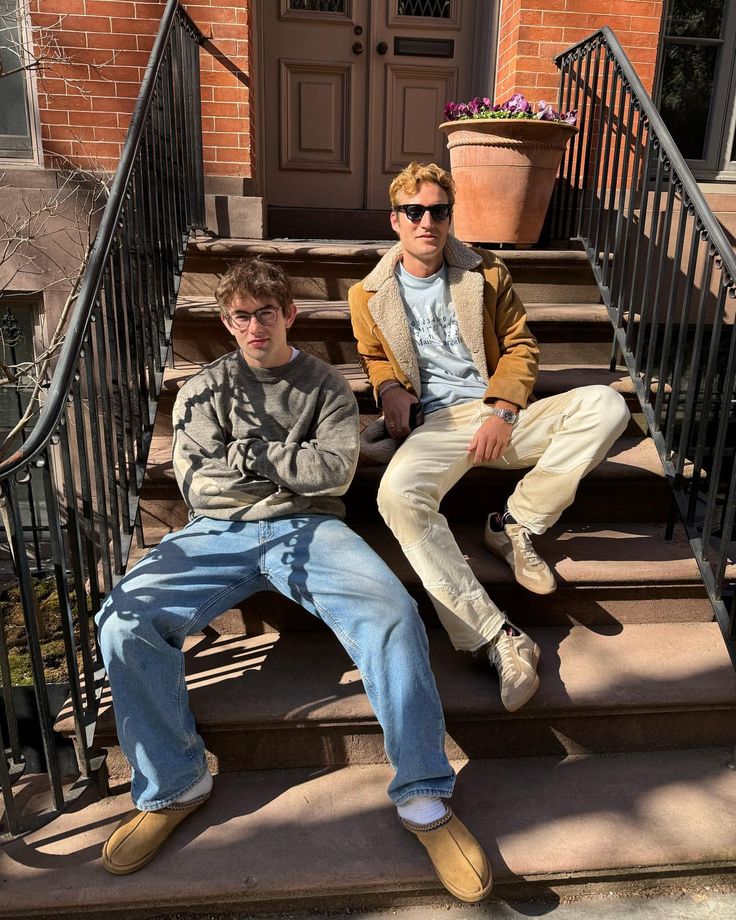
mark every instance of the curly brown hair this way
{"type": "Point", "coordinates": [411, 177]}
{"type": "Point", "coordinates": [254, 278]}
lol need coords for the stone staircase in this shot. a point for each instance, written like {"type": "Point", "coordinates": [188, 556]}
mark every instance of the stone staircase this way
{"type": "Point", "coordinates": [615, 773]}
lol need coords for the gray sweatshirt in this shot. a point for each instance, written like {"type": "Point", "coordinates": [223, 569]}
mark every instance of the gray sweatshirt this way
{"type": "Point", "coordinates": [252, 443]}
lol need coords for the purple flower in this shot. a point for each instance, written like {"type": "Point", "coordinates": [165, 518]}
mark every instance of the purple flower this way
{"type": "Point", "coordinates": [571, 117]}
{"type": "Point", "coordinates": [517, 104]}
{"type": "Point", "coordinates": [545, 112]}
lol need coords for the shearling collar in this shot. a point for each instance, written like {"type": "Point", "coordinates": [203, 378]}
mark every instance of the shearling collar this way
{"type": "Point", "coordinates": [457, 255]}
{"type": "Point", "coordinates": [466, 293]}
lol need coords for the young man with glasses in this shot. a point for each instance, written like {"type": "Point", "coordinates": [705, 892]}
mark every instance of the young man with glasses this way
{"type": "Point", "coordinates": [265, 443]}
{"type": "Point", "coordinates": [440, 328]}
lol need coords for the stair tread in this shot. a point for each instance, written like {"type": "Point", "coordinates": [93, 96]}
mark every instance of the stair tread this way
{"type": "Point", "coordinates": [552, 378]}
{"type": "Point", "coordinates": [306, 835]}
{"type": "Point", "coordinates": [629, 458]}
{"type": "Point", "coordinates": [368, 250]}
{"type": "Point", "coordinates": [204, 308]}
{"type": "Point", "coordinates": [238, 681]}
{"type": "Point", "coordinates": [582, 556]}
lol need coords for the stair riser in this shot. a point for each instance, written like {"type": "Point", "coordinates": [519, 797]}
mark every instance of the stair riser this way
{"type": "Point", "coordinates": [593, 606]}
{"type": "Point", "coordinates": [631, 499]}
{"type": "Point", "coordinates": [314, 278]}
{"type": "Point", "coordinates": [287, 747]}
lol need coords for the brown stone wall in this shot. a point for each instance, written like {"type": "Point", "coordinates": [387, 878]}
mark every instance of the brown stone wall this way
{"type": "Point", "coordinates": [533, 32]}
{"type": "Point", "coordinates": [85, 107]}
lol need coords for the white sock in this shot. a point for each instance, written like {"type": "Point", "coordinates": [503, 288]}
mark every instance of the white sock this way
{"type": "Point", "coordinates": [422, 809]}
{"type": "Point", "coordinates": [201, 787]}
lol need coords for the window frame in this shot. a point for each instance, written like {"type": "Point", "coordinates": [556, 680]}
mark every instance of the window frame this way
{"type": "Point", "coordinates": [30, 83]}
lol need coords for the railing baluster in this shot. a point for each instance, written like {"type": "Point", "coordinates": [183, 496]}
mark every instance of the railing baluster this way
{"type": "Point", "coordinates": [58, 558]}
{"type": "Point", "coordinates": [638, 245]}
{"type": "Point", "coordinates": [30, 622]}
{"type": "Point", "coordinates": [599, 144]}
{"type": "Point", "coordinates": [708, 395]}
{"type": "Point", "coordinates": [641, 333]}
{"type": "Point", "coordinates": [681, 351]}
{"type": "Point", "coordinates": [606, 178]}
{"type": "Point", "coordinates": [663, 254]}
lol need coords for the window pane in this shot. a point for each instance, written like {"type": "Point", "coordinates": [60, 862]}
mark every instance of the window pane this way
{"type": "Point", "coordinates": [437, 9]}
{"type": "Point", "coordinates": [16, 346]}
{"type": "Point", "coordinates": [695, 18]}
{"type": "Point", "coordinates": [318, 6]}
{"type": "Point", "coordinates": [15, 127]}
{"type": "Point", "coordinates": [687, 88]}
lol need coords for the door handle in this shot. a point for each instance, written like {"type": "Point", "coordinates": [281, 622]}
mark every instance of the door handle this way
{"type": "Point", "coordinates": [357, 47]}
{"type": "Point", "coordinates": [382, 47]}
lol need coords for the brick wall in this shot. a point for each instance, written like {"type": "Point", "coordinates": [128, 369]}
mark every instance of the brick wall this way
{"type": "Point", "coordinates": [533, 32]}
{"type": "Point", "coordinates": [85, 107]}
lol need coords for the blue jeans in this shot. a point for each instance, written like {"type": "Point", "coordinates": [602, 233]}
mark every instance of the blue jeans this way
{"type": "Point", "coordinates": [209, 566]}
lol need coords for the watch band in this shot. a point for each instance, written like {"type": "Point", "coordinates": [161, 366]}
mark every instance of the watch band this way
{"type": "Point", "coordinates": [508, 415]}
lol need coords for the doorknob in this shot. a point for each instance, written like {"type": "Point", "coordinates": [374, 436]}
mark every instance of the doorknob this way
{"type": "Point", "coordinates": [382, 47]}
{"type": "Point", "coordinates": [358, 47]}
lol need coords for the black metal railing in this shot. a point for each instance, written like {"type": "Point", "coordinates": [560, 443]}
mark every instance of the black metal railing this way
{"type": "Point", "coordinates": [667, 275]}
{"type": "Point", "coordinates": [70, 492]}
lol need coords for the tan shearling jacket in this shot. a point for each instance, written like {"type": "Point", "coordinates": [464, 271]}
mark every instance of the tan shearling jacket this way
{"type": "Point", "coordinates": [490, 315]}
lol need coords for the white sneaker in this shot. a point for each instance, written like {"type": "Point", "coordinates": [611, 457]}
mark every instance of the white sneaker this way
{"type": "Point", "coordinates": [513, 544]}
{"type": "Point", "coordinates": [515, 656]}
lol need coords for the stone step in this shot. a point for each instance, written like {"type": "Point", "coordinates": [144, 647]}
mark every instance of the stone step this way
{"type": "Point", "coordinates": [640, 687]}
{"type": "Point", "coordinates": [552, 379]}
{"type": "Point", "coordinates": [578, 333]}
{"type": "Point", "coordinates": [308, 838]}
{"type": "Point", "coordinates": [325, 269]}
{"type": "Point", "coordinates": [608, 575]}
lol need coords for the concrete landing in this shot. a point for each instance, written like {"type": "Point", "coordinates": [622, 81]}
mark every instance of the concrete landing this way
{"type": "Point", "coordinates": [305, 837]}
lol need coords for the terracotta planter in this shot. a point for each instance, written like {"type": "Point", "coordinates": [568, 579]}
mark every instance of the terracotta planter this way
{"type": "Point", "coordinates": [505, 171]}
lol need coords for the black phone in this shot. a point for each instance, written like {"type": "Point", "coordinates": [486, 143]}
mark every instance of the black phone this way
{"type": "Point", "coordinates": [416, 415]}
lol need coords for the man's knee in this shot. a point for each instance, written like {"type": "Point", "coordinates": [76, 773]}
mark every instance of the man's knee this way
{"type": "Point", "coordinates": [610, 407]}
{"type": "Point", "coordinates": [400, 498]}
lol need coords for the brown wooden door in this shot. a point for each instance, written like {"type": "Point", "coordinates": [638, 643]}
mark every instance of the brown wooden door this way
{"type": "Point", "coordinates": [354, 90]}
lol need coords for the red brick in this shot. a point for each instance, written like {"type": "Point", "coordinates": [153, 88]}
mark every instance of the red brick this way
{"type": "Point", "coordinates": [59, 6]}
{"type": "Point", "coordinates": [115, 41]}
{"type": "Point", "coordinates": [223, 124]}
{"type": "Point", "coordinates": [138, 27]}
{"type": "Point", "coordinates": [109, 134]}
{"type": "Point", "coordinates": [588, 6]}
{"type": "Point", "coordinates": [86, 24]}
{"type": "Point", "coordinates": [96, 119]}
{"type": "Point", "coordinates": [127, 90]}
{"type": "Point", "coordinates": [113, 104]}
{"type": "Point", "coordinates": [528, 48]}
{"type": "Point", "coordinates": [54, 117]}
{"type": "Point", "coordinates": [649, 24]}
{"type": "Point", "coordinates": [540, 33]}
{"type": "Point", "coordinates": [566, 20]}
{"type": "Point", "coordinates": [637, 7]}
{"type": "Point", "coordinates": [111, 8]}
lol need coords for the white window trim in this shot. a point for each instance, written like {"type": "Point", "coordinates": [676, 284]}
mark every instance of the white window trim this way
{"type": "Point", "coordinates": [31, 86]}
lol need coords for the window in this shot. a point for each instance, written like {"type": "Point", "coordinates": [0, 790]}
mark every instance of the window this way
{"type": "Point", "coordinates": [695, 88]}
{"type": "Point", "coordinates": [17, 107]}
{"type": "Point", "coordinates": [16, 346]}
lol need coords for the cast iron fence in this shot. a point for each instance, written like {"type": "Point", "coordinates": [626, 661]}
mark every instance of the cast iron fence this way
{"type": "Point", "coordinates": [667, 275]}
{"type": "Point", "coordinates": [70, 492]}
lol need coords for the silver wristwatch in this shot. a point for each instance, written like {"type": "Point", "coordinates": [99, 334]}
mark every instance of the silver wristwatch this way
{"type": "Point", "coordinates": [508, 415]}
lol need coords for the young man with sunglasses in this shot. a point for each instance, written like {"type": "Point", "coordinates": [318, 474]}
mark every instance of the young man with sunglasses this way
{"type": "Point", "coordinates": [265, 443]}
{"type": "Point", "coordinates": [440, 329]}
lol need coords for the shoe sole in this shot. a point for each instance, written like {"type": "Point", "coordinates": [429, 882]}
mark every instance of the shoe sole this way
{"type": "Point", "coordinates": [462, 896]}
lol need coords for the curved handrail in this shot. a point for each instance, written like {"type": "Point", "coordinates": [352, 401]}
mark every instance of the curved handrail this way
{"type": "Point", "coordinates": [61, 380]}
{"type": "Point", "coordinates": [661, 132]}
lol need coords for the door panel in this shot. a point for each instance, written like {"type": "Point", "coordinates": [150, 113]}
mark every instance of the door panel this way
{"type": "Point", "coordinates": [315, 85]}
{"type": "Point", "coordinates": [422, 52]}
{"type": "Point", "coordinates": [354, 90]}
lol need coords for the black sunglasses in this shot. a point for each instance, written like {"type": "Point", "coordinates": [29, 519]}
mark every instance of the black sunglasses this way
{"type": "Point", "coordinates": [415, 212]}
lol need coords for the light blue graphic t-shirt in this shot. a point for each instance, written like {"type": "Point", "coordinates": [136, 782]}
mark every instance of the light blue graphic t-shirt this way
{"type": "Point", "coordinates": [446, 370]}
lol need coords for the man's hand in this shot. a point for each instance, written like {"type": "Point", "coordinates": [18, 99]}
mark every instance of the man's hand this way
{"type": "Point", "coordinates": [396, 402]}
{"type": "Point", "coordinates": [493, 436]}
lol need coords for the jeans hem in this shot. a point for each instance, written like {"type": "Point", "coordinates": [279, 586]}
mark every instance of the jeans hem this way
{"type": "Point", "coordinates": [443, 792]}
{"type": "Point", "coordinates": [160, 804]}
